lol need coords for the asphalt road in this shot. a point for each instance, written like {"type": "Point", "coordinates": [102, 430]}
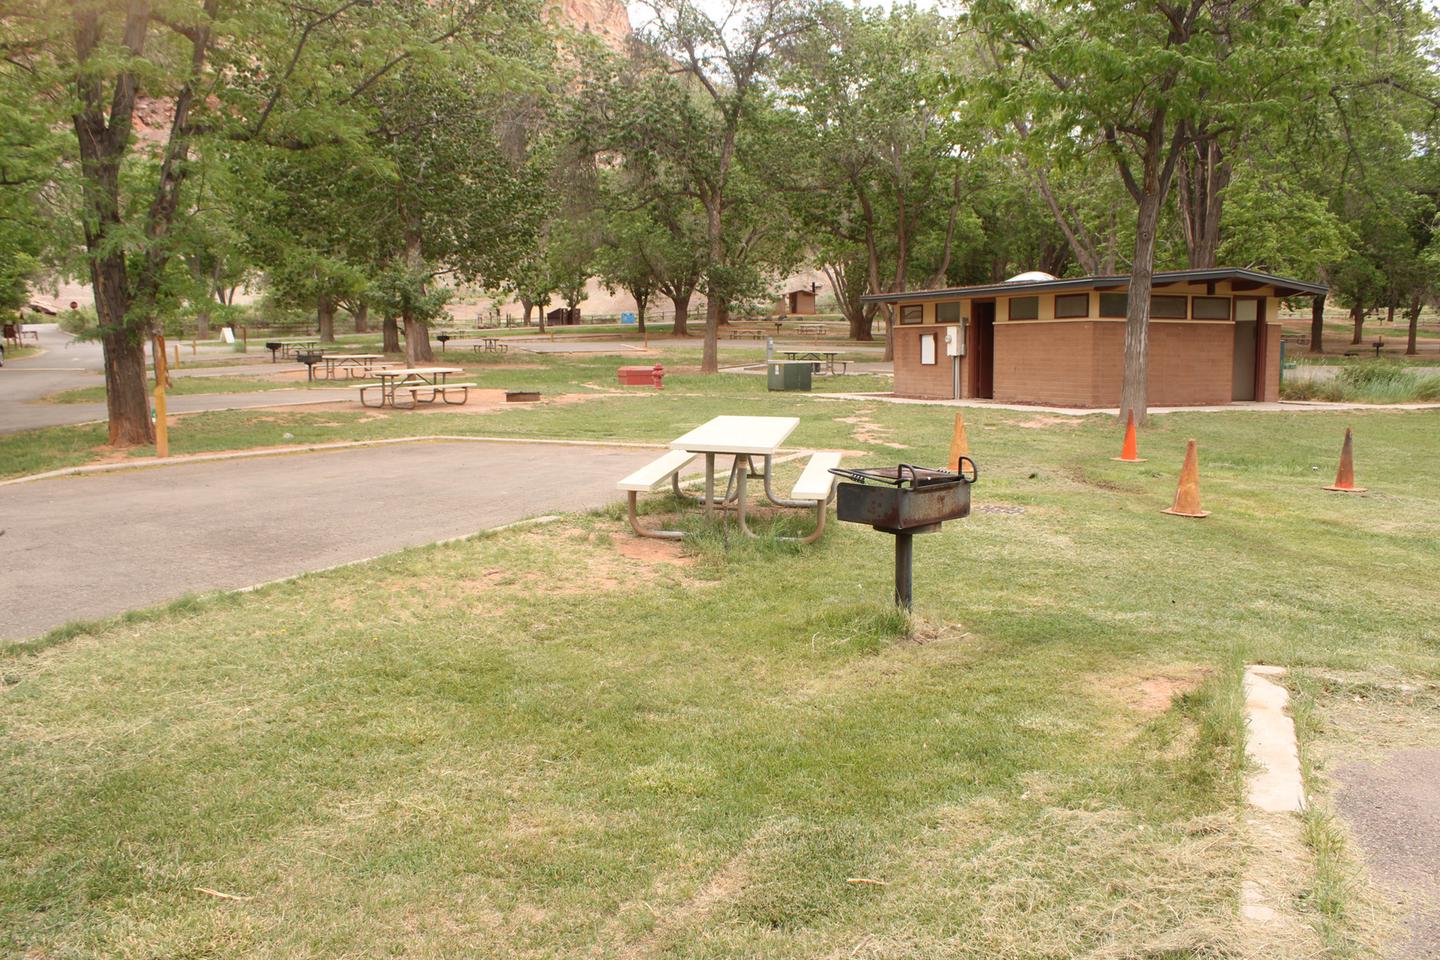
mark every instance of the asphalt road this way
{"type": "Point", "coordinates": [1393, 806]}
{"type": "Point", "coordinates": [68, 364]}
{"type": "Point", "coordinates": [88, 546]}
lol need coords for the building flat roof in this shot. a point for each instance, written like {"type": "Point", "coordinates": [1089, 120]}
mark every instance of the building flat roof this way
{"type": "Point", "coordinates": [1253, 279]}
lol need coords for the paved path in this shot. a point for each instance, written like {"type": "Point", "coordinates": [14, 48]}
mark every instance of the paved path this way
{"type": "Point", "coordinates": [1393, 806]}
{"type": "Point", "coordinates": [80, 547]}
{"type": "Point", "coordinates": [68, 364]}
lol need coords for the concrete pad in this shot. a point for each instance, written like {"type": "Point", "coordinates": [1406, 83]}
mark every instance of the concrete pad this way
{"type": "Point", "coordinates": [1270, 742]}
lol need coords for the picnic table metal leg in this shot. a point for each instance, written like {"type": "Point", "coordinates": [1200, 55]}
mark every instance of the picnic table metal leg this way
{"type": "Point", "coordinates": [740, 501]}
{"type": "Point", "coordinates": [770, 493]}
{"type": "Point", "coordinates": [709, 485]}
{"type": "Point", "coordinates": [643, 531]}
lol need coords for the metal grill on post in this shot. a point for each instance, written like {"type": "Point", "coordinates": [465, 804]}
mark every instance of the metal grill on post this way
{"type": "Point", "coordinates": [903, 501]}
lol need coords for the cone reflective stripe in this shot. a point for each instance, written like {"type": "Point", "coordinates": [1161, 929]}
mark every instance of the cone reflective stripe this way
{"type": "Point", "coordinates": [1187, 495]}
{"type": "Point", "coordinates": [959, 443]}
{"type": "Point", "coordinates": [1130, 450]}
{"type": "Point", "coordinates": [1345, 476]}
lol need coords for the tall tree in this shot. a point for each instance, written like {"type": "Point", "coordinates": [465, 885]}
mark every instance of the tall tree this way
{"type": "Point", "coordinates": [728, 59]}
{"type": "Point", "coordinates": [1144, 84]}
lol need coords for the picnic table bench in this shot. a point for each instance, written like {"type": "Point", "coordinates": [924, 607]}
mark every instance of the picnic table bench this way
{"type": "Point", "coordinates": [415, 381]}
{"type": "Point", "coordinates": [744, 439]}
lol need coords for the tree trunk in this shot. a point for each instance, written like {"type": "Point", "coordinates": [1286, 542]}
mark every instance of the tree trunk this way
{"type": "Point", "coordinates": [681, 326]}
{"type": "Point", "coordinates": [362, 317]}
{"type": "Point", "coordinates": [325, 317]}
{"type": "Point", "coordinates": [417, 334]}
{"type": "Point", "coordinates": [1357, 317]}
{"type": "Point", "coordinates": [642, 297]}
{"type": "Point", "coordinates": [1134, 390]}
{"type": "Point", "coordinates": [714, 298]}
{"type": "Point", "coordinates": [1317, 325]}
{"type": "Point", "coordinates": [1414, 317]}
{"type": "Point", "coordinates": [202, 305]}
{"type": "Point", "coordinates": [1390, 313]}
{"type": "Point", "coordinates": [528, 305]}
{"type": "Point", "coordinates": [1201, 178]}
{"type": "Point", "coordinates": [390, 334]}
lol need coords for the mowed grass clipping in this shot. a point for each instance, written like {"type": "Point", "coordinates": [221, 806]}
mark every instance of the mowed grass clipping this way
{"type": "Point", "coordinates": [563, 741]}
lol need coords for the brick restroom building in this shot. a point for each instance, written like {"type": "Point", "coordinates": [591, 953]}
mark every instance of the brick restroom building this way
{"type": "Point", "coordinates": [1214, 338]}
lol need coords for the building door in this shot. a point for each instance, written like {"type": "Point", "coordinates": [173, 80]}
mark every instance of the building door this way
{"type": "Point", "coordinates": [1242, 380]}
{"type": "Point", "coordinates": [980, 348]}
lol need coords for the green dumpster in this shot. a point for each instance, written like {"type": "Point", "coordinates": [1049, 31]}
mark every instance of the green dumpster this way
{"type": "Point", "coordinates": [789, 374]}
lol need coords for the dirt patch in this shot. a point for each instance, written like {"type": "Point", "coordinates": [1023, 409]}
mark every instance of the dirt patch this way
{"type": "Point", "coordinates": [479, 401]}
{"type": "Point", "coordinates": [868, 431]}
{"type": "Point", "coordinates": [1152, 694]}
{"type": "Point", "coordinates": [650, 552]}
{"type": "Point", "coordinates": [1040, 422]}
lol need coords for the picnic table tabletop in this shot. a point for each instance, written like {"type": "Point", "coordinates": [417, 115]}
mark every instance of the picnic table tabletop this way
{"type": "Point", "coordinates": [738, 435]}
{"type": "Point", "coordinates": [355, 356]}
{"type": "Point", "coordinates": [417, 371]}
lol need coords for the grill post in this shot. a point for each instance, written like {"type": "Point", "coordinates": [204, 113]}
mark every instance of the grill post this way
{"type": "Point", "coordinates": [904, 554]}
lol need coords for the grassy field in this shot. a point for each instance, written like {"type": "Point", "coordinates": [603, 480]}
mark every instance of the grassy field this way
{"type": "Point", "coordinates": [640, 413]}
{"type": "Point", "coordinates": [560, 741]}
{"type": "Point", "coordinates": [185, 386]}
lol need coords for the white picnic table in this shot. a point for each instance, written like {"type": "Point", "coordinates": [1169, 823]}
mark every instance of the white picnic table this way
{"type": "Point", "coordinates": [742, 438]}
{"type": "Point", "coordinates": [410, 379]}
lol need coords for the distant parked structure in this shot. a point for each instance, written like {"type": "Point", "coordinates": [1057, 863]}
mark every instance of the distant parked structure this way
{"type": "Point", "coordinates": [798, 303]}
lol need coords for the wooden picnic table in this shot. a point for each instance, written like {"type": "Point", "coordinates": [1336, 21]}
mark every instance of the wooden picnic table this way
{"type": "Point", "coordinates": [412, 380]}
{"type": "Point", "coordinates": [350, 363]}
{"type": "Point", "coordinates": [288, 347]}
{"type": "Point", "coordinates": [492, 344]}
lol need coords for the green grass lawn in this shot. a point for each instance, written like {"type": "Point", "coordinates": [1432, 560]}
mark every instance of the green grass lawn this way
{"type": "Point", "coordinates": [19, 353]}
{"type": "Point", "coordinates": [641, 413]}
{"type": "Point", "coordinates": [187, 386]}
{"type": "Point", "coordinates": [531, 744]}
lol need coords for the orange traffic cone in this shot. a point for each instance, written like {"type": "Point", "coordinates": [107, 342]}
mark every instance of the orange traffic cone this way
{"type": "Point", "coordinates": [1187, 495]}
{"type": "Point", "coordinates": [1345, 477]}
{"type": "Point", "coordinates": [1130, 450]}
{"type": "Point", "coordinates": [959, 443]}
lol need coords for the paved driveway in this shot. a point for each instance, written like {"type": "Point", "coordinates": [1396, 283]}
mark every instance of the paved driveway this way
{"type": "Point", "coordinates": [88, 546]}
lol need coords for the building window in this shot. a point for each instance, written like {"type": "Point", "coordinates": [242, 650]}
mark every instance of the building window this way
{"type": "Point", "coordinates": [1169, 308]}
{"type": "Point", "coordinates": [927, 349]}
{"type": "Point", "coordinates": [1210, 308]}
{"type": "Point", "coordinates": [1024, 308]}
{"type": "Point", "coordinates": [1072, 305]}
{"type": "Point", "coordinates": [948, 312]}
{"type": "Point", "coordinates": [1114, 304]}
{"type": "Point", "coordinates": [912, 313]}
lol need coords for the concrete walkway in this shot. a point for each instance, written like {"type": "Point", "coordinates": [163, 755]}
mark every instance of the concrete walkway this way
{"type": "Point", "coordinates": [81, 547]}
{"type": "Point", "coordinates": [1240, 406]}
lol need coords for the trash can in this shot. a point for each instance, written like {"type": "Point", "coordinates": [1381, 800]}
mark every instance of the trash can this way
{"type": "Point", "coordinates": [789, 374]}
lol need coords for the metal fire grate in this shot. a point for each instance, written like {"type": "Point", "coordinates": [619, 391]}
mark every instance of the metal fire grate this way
{"type": "Point", "coordinates": [902, 501]}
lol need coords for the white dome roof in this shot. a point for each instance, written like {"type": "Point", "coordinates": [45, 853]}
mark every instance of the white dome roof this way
{"type": "Point", "coordinates": [1031, 276]}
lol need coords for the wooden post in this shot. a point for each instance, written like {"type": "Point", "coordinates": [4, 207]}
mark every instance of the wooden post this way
{"type": "Point", "coordinates": [162, 427]}
{"type": "Point", "coordinates": [177, 354]}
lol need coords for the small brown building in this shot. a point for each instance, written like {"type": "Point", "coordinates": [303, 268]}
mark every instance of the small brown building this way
{"type": "Point", "coordinates": [797, 303]}
{"type": "Point", "coordinates": [1214, 338]}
